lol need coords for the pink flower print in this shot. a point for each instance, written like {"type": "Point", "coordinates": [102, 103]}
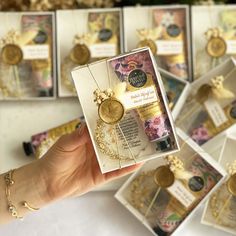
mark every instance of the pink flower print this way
{"type": "Point", "coordinates": [200, 135]}
{"type": "Point", "coordinates": [155, 128]}
{"type": "Point", "coordinates": [37, 139]}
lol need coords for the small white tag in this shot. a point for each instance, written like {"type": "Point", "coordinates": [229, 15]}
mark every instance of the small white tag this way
{"type": "Point", "coordinates": [169, 47]}
{"type": "Point", "coordinates": [231, 46]}
{"type": "Point", "coordinates": [103, 50]}
{"type": "Point", "coordinates": [215, 111]}
{"type": "Point", "coordinates": [179, 191]}
{"type": "Point", "coordinates": [32, 52]}
{"type": "Point", "coordinates": [139, 97]}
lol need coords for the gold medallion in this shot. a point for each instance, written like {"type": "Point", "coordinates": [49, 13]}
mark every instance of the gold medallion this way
{"type": "Point", "coordinates": [111, 111]}
{"type": "Point", "coordinates": [231, 185]}
{"type": "Point", "coordinates": [203, 93]}
{"type": "Point", "coordinates": [80, 54]}
{"type": "Point", "coordinates": [216, 47]}
{"type": "Point", "coordinates": [164, 177]}
{"type": "Point", "coordinates": [11, 54]}
{"type": "Point", "coordinates": [148, 43]}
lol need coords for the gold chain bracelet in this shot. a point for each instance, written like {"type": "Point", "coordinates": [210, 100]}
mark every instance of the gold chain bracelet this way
{"type": "Point", "coordinates": [11, 207]}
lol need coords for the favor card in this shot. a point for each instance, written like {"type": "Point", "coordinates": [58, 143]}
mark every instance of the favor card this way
{"type": "Point", "coordinates": [126, 110]}
{"type": "Point", "coordinates": [27, 69]}
{"type": "Point", "coordinates": [165, 30]}
{"type": "Point", "coordinates": [91, 34]}
{"type": "Point", "coordinates": [165, 192]}
{"type": "Point", "coordinates": [213, 34]}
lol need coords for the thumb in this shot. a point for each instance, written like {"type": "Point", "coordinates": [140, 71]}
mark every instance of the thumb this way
{"type": "Point", "coordinates": [70, 142]}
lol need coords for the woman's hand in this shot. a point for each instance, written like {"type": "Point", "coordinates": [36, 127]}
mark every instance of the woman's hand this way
{"type": "Point", "coordinates": [70, 167]}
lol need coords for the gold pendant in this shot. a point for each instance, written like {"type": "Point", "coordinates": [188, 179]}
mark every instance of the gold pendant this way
{"type": "Point", "coordinates": [148, 43]}
{"type": "Point", "coordinates": [110, 109]}
{"type": "Point", "coordinates": [80, 54]}
{"type": "Point", "coordinates": [164, 177]}
{"type": "Point", "coordinates": [11, 54]}
{"type": "Point", "coordinates": [216, 47]}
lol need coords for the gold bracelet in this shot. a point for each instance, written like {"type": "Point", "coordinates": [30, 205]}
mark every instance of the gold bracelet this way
{"type": "Point", "coordinates": [11, 207]}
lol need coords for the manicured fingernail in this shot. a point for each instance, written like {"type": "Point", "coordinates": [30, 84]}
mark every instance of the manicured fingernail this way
{"type": "Point", "coordinates": [81, 128]}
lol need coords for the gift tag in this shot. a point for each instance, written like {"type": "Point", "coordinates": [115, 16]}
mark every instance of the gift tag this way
{"type": "Point", "coordinates": [32, 52]}
{"type": "Point", "coordinates": [215, 111]}
{"type": "Point", "coordinates": [182, 194]}
{"type": "Point", "coordinates": [103, 50]}
{"type": "Point", "coordinates": [139, 97]}
{"type": "Point", "coordinates": [169, 47]}
{"type": "Point", "coordinates": [231, 46]}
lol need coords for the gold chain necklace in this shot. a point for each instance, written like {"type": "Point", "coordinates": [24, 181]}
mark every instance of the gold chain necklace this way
{"type": "Point", "coordinates": [110, 111]}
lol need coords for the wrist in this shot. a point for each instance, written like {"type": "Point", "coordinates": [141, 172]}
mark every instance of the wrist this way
{"type": "Point", "coordinates": [42, 184]}
{"type": "Point", "coordinates": [27, 192]}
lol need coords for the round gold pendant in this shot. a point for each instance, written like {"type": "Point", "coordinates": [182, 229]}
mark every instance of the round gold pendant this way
{"type": "Point", "coordinates": [231, 185]}
{"type": "Point", "coordinates": [80, 54]}
{"type": "Point", "coordinates": [148, 43]}
{"type": "Point", "coordinates": [216, 47]}
{"type": "Point", "coordinates": [111, 111]}
{"type": "Point", "coordinates": [164, 177]}
{"type": "Point", "coordinates": [11, 54]}
{"type": "Point", "coordinates": [203, 93]}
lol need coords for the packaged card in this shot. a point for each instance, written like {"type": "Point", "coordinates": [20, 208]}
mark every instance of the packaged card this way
{"type": "Point", "coordinates": [165, 29]}
{"type": "Point", "coordinates": [165, 192]}
{"type": "Point", "coordinates": [220, 211]}
{"type": "Point", "coordinates": [211, 107]}
{"type": "Point", "coordinates": [126, 110]}
{"type": "Point", "coordinates": [213, 35]}
{"type": "Point", "coordinates": [91, 34]}
{"type": "Point", "coordinates": [27, 69]}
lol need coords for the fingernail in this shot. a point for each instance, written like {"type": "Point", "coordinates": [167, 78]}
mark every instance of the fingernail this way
{"type": "Point", "coordinates": [81, 128]}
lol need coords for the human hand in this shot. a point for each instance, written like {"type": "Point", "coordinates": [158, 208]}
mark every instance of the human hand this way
{"type": "Point", "coordinates": [70, 167]}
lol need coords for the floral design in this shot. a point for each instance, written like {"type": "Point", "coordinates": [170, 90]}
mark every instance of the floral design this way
{"type": "Point", "coordinates": [200, 135]}
{"type": "Point", "coordinates": [124, 65]}
{"type": "Point", "coordinates": [39, 138]}
{"type": "Point", "coordinates": [157, 127]}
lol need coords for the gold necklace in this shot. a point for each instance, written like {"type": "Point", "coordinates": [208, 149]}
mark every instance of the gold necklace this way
{"type": "Point", "coordinates": [160, 178]}
{"type": "Point", "coordinates": [229, 188]}
{"type": "Point", "coordinates": [110, 112]}
{"type": "Point", "coordinates": [147, 37]}
{"type": "Point", "coordinates": [216, 46]}
{"type": "Point", "coordinates": [213, 89]}
{"type": "Point", "coordinates": [110, 109]}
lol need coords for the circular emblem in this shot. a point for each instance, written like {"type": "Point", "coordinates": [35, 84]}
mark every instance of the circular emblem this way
{"type": "Point", "coordinates": [164, 177]}
{"type": "Point", "coordinates": [231, 185]}
{"type": "Point", "coordinates": [41, 37]}
{"type": "Point", "coordinates": [148, 43]}
{"type": "Point", "coordinates": [111, 111]}
{"type": "Point", "coordinates": [11, 54]}
{"type": "Point", "coordinates": [216, 47]}
{"type": "Point", "coordinates": [232, 112]}
{"type": "Point", "coordinates": [173, 30]}
{"type": "Point", "coordinates": [104, 35]}
{"type": "Point", "coordinates": [196, 183]}
{"type": "Point", "coordinates": [137, 78]}
{"type": "Point", "coordinates": [80, 54]}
